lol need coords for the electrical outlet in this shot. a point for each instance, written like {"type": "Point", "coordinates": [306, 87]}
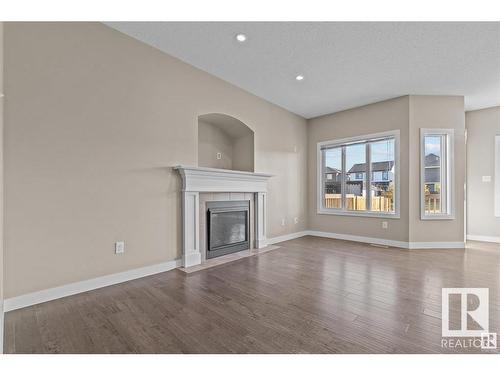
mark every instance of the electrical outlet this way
{"type": "Point", "coordinates": [385, 225]}
{"type": "Point", "coordinates": [219, 155]}
{"type": "Point", "coordinates": [486, 178]}
{"type": "Point", "coordinates": [283, 222]}
{"type": "Point", "coordinates": [296, 220]}
{"type": "Point", "coordinates": [119, 247]}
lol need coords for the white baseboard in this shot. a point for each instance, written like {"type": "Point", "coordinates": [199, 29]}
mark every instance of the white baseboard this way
{"type": "Point", "coordinates": [474, 237]}
{"type": "Point", "coordinates": [350, 237]}
{"type": "Point", "coordinates": [103, 281]}
{"type": "Point", "coordinates": [373, 240]}
{"type": "Point", "coordinates": [286, 237]}
{"type": "Point", "coordinates": [436, 245]}
{"type": "Point", "coordinates": [84, 286]}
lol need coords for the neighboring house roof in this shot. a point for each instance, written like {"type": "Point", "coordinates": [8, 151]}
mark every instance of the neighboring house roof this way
{"type": "Point", "coordinates": [432, 175]}
{"type": "Point", "coordinates": [432, 160]}
{"type": "Point", "coordinates": [376, 167]}
{"type": "Point", "coordinates": [332, 170]}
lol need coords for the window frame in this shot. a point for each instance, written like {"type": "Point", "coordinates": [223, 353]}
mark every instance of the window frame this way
{"type": "Point", "coordinates": [447, 177]}
{"type": "Point", "coordinates": [320, 179]}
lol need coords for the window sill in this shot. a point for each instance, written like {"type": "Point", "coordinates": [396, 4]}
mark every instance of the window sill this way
{"type": "Point", "coordinates": [324, 211]}
{"type": "Point", "coordinates": [437, 217]}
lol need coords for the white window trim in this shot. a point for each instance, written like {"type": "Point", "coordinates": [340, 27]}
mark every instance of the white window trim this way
{"type": "Point", "coordinates": [448, 183]}
{"type": "Point", "coordinates": [321, 209]}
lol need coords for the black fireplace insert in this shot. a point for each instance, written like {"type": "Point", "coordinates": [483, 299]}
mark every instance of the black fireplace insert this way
{"type": "Point", "coordinates": [227, 227]}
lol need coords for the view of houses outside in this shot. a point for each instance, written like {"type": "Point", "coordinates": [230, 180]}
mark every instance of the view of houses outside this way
{"type": "Point", "coordinates": [381, 187]}
{"type": "Point", "coordinates": [333, 178]}
{"type": "Point", "coordinates": [432, 174]}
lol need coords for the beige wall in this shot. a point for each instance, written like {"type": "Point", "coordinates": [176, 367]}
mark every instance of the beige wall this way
{"type": "Point", "coordinates": [212, 140]}
{"type": "Point", "coordinates": [408, 114]}
{"type": "Point", "coordinates": [94, 121]}
{"type": "Point", "coordinates": [482, 127]}
{"type": "Point", "coordinates": [445, 112]}
{"type": "Point", "coordinates": [373, 118]}
{"type": "Point", "coordinates": [243, 153]}
{"type": "Point", "coordinates": [237, 153]}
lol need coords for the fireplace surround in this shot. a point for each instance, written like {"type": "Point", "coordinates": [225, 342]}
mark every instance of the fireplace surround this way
{"type": "Point", "coordinates": [196, 180]}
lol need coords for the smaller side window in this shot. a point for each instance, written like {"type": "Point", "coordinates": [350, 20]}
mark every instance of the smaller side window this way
{"type": "Point", "coordinates": [436, 174]}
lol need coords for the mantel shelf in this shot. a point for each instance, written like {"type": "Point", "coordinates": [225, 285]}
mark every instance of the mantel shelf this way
{"type": "Point", "coordinates": [202, 179]}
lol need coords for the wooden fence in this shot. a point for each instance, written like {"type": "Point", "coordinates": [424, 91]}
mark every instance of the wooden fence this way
{"type": "Point", "coordinates": [358, 203]}
{"type": "Point", "coordinates": [380, 204]}
{"type": "Point", "coordinates": [432, 203]}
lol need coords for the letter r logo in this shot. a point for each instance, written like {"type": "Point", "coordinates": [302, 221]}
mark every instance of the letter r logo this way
{"type": "Point", "coordinates": [476, 313]}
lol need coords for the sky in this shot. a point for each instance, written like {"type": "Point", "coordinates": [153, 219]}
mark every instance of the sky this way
{"type": "Point", "coordinates": [355, 154]}
{"type": "Point", "coordinates": [433, 145]}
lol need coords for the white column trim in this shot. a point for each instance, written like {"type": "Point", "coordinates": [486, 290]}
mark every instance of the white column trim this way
{"type": "Point", "coordinates": [191, 255]}
{"type": "Point", "coordinates": [260, 220]}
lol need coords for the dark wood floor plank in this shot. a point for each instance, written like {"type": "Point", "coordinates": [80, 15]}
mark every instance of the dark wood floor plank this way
{"type": "Point", "coordinates": [314, 295]}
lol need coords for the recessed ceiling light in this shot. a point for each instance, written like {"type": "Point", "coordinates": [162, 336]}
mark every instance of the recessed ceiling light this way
{"type": "Point", "coordinates": [300, 77]}
{"type": "Point", "coordinates": [241, 37]}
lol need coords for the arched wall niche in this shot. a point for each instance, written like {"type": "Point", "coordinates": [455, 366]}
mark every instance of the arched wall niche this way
{"type": "Point", "coordinates": [225, 142]}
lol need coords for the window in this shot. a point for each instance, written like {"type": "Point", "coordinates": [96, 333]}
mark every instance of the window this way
{"type": "Point", "coordinates": [355, 188]}
{"type": "Point", "coordinates": [382, 165]}
{"type": "Point", "coordinates": [333, 189]}
{"type": "Point", "coordinates": [436, 174]}
{"type": "Point", "coordinates": [366, 175]}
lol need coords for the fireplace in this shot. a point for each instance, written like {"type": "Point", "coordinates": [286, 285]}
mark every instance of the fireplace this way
{"type": "Point", "coordinates": [203, 181]}
{"type": "Point", "coordinates": [227, 227]}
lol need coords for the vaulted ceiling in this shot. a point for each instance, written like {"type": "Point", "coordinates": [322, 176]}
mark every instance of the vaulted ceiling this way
{"type": "Point", "coordinates": [344, 65]}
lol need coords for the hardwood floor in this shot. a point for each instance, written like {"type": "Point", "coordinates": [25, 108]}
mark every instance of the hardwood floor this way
{"type": "Point", "coordinates": [314, 295]}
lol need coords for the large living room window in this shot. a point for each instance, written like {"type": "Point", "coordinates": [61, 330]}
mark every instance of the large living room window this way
{"type": "Point", "coordinates": [359, 176]}
{"type": "Point", "coordinates": [436, 174]}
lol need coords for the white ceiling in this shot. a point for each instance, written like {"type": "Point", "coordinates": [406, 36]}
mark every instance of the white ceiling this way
{"type": "Point", "coordinates": [345, 64]}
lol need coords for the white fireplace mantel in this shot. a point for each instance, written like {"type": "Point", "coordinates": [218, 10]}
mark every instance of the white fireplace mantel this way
{"type": "Point", "coordinates": [203, 179]}
{"type": "Point", "coordinates": [196, 180]}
